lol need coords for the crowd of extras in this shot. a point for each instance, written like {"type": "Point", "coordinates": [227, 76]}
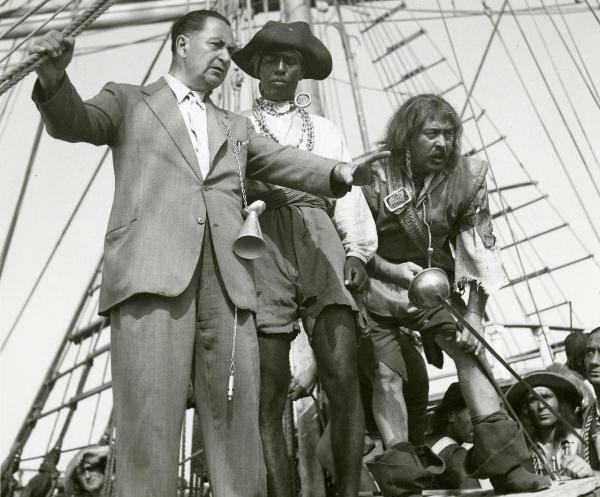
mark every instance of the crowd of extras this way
{"type": "Point", "coordinates": [571, 389]}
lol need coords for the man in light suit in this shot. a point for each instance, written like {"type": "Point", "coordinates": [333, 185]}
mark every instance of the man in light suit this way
{"type": "Point", "coordinates": [179, 300]}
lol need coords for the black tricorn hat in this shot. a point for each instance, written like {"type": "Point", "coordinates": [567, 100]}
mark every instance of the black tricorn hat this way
{"type": "Point", "coordinates": [294, 35]}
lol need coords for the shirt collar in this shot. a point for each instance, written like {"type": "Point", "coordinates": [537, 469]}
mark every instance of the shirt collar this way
{"type": "Point", "coordinates": [181, 90]}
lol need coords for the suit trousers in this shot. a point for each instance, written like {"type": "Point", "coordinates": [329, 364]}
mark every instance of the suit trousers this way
{"type": "Point", "coordinates": [160, 343]}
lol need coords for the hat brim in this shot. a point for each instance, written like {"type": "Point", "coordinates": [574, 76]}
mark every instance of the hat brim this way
{"type": "Point", "coordinates": [317, 58]}
{"type": "Point", "coordinates": [517, 393]}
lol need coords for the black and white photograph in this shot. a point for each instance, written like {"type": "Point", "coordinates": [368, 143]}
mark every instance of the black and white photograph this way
{"type": "Point", "coordinates": [299, 248]}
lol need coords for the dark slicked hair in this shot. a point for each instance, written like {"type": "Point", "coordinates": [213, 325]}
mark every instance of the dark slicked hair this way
{"type": "Point", "coordinates": [408, 122]}
{"type": "Point", "coordinates": [193, 22]}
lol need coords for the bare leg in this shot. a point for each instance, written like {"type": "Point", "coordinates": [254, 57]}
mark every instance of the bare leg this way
{"type": "Point", "coordinates": [274, 382]}
{"type": "Point", "coordinates": [335, 347]}
{"type": "Point", "coordinates": [478, 392]}
{"type": "Point", "coordinates": [389, 407]}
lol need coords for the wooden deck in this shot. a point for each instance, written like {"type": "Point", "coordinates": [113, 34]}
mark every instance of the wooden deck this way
{"type": "Point", "coordinates": [586, 487]}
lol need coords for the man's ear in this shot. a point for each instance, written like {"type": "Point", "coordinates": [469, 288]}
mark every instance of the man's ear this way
{"type": "Point", "coordinates": [450, 417]}
{"type": "Point", "coordinates": [181, 45]}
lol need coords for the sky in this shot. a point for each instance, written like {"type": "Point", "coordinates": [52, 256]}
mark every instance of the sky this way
{"type": "Point", "coordinates": [61, 170]}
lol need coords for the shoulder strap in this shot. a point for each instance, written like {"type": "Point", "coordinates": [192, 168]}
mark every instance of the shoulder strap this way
{"type": "Point", "coordinates": [414, 226]}
{"type": "Point", "coordinates": [416, 230]}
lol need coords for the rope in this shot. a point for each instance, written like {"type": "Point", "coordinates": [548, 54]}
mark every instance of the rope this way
{"type": "Point", "coordinates": [73, 214]}
{"type": "Point", "coordinates": [590, 85]}
{"type": "Point", "coordinates": [15, 216]}
{"type": "Point", "coordinates": [35, 31]}
{"type": "Point", "coordinates": [566, 92]}
{"type": "Point", "coordinates": [74, 28]}
{"type": "Point", "coordinates": [537, 64]}
{"type": "Point", "coordinates": [592, 11]}
{"type": "Point", "coordinates": [24, 18]}
{"type": "Point", "coordinates": [483, 57]}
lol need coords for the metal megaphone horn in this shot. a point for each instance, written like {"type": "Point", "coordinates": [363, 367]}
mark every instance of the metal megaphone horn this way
{"type": "Point", "coordinates": [249, 243]}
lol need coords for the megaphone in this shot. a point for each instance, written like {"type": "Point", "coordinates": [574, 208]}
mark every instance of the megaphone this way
{"type": "Point", "coordinates": [249, 243]}
{"type": "Point", "coordinates": [426, 286]}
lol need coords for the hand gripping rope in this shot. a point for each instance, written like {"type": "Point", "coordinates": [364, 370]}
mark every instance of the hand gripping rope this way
{"type": "Point", "coordinates": [74, 28]}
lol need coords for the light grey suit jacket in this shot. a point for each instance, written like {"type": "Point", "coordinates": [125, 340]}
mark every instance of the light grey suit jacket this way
{"type": "Point", "coordinates": [161, 202]}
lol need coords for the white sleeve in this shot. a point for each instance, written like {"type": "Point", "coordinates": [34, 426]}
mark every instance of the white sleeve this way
{"type": "Point", "coordinates": [355, 225]}
{"type": "Point", "coordinates": [352, 217]}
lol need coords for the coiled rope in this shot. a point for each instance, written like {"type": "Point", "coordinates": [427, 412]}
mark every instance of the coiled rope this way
{"type": "Point", "coordinates": [82, 21]}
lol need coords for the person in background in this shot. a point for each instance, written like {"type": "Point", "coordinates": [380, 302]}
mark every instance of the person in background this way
{"type": "Point", "coordinates": [452, 427]}
{"type": "Point", "coordinates": [85, 475]}
{"type": "Point", "coordinates": [307, 272]}
{"type": "Point", "coordinates": [591, 418]}
{"type": "Point", "coordinates": [558, 446]}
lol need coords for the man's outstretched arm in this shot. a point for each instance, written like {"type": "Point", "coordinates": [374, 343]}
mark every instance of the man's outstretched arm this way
{"type": "Point", "coordinates": [66, 115]}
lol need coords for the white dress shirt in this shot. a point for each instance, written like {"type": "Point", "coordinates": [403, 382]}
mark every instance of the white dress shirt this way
{"type": "Point", "coordinates": [193, 110]}
{"type": "Point", "coordinates": [352, 217]}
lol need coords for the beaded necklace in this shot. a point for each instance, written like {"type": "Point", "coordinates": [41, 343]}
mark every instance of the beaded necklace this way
{"type": "Point", "coordinates": [262, 107]}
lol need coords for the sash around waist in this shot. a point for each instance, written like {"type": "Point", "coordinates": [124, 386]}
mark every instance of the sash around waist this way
{"type": "Point", "coordinates": [284, 197]}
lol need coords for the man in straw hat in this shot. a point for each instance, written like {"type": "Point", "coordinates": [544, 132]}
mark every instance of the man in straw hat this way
{"type": "Point", "coordinates": [434, 210]}
{"type": "Point", "coordinates": [559, 448]}
{"type": "Point", "coordinates": [306, 273]}
{"type": "Point", "coordinates": [180, 301]}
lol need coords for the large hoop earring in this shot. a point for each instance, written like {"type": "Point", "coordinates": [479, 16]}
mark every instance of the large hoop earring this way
{"type": "Point", "coordinates": [300, 96]}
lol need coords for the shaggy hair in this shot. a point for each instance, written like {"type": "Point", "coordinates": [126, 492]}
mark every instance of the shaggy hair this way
{"type": "Point", "coordinates": [408, 122]}
{"type": "Point", "coordinates": [193, 22]}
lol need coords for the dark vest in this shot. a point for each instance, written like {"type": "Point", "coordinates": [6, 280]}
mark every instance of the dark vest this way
{"type": "Point", "coordinates": [450, 193]}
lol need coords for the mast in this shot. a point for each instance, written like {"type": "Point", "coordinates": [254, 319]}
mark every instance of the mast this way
{"type": "Point", "coordinates": [353, 75]}
{"type": "Point", "coordinates": [299, 10]}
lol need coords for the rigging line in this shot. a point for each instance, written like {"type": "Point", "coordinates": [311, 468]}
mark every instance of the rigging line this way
{"type": "Point", "coordinates": [36, 31]}
{"type": "Point", "coordinates": [483, 57]}
{"type": "Point", "coordinates": [74, 28]}
{"type": "Point", "coordinates": [97, 405]}
{"type": "Point", "coordinates": [567, 95]}
{"type": "Point", "coordinates": [396, 61]}
{"type": "Point", "coordinates": [73, 214]}
{"type": "Point", "coordinates": [24, 185]}
{"type": "Point", "coordinates": [54, 249]}
{"type": "Point", "coordinates": [589, 82]}
{"type": "Point", "coordinates": [529, 260]}
{"type": "Point", "coordinates": [378, 70]}
{"type": "Point", "coordinates": [500, 196]}
{"type": "Point", "coordinates": [549, 136]}
{"type": "Point", "coordinates": [550, 275]}
{"type": "Point", "coordinates": [64, 396]}
{"type": "Point", "coordinates": [592, 11]}
{"type": "Point", "coordinates": [76, 325]}
{"type": "Point", "coordinates": [381, 49]}
{"type": "Point", "coordinates": [556, 104]}
{"type": "Point", "coordinates": [23, 18]}
{"type": "Point", "coordinates": [7, 109]}
{"type": "Point", "coordinates": [540, 191]}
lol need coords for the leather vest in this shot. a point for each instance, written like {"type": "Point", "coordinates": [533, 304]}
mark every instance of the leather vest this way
{"type": "Point", "coordinates": [450, 195]}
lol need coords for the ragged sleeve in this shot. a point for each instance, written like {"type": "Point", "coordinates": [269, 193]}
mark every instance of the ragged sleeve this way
{"type": "Point", "coordinates": [477, 256]}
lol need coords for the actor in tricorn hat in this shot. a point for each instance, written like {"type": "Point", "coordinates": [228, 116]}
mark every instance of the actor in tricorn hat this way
{"type": "Point", "coordinates": [307, 272]}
